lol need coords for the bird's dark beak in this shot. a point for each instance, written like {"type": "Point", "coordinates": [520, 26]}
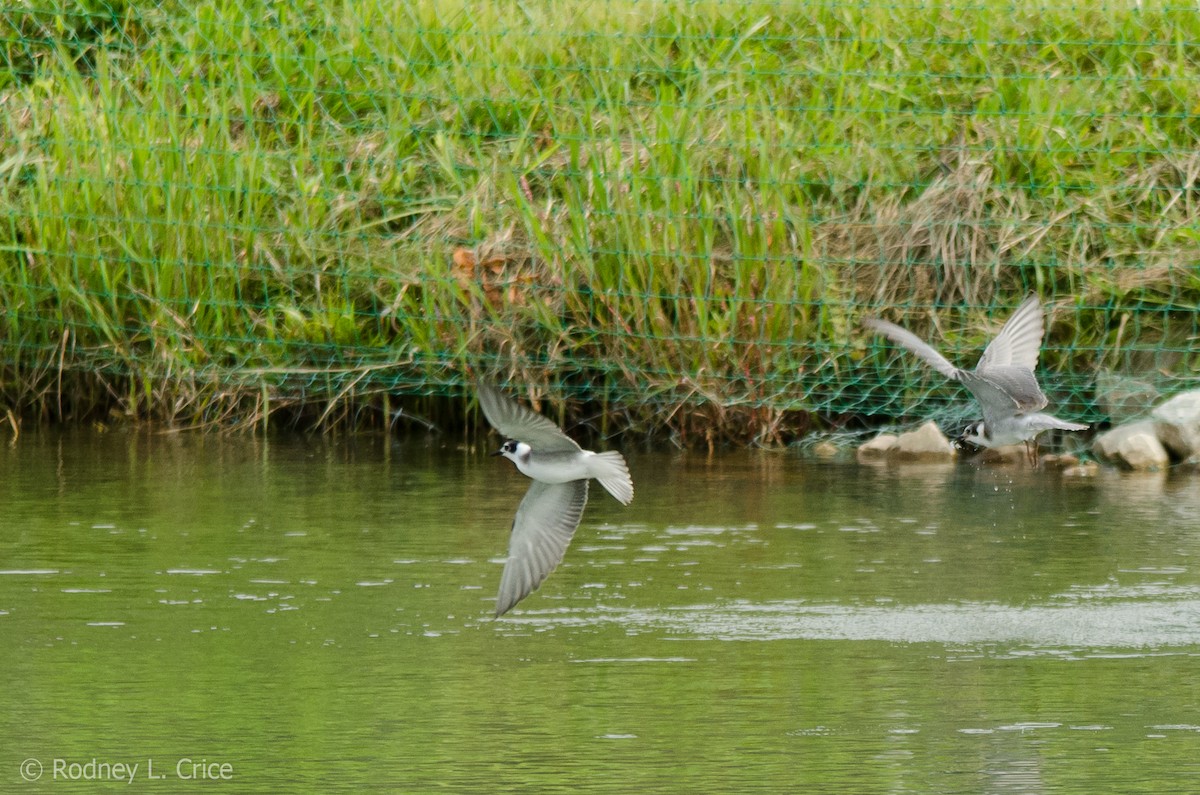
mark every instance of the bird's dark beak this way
{"type": "Point", "coordinates": [498, 452]}
{"type": "Point", "coordinates": [961, 443]}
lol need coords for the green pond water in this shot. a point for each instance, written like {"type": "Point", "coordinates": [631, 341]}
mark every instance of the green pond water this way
{"type": "Point", "coordinates": [312, 615]}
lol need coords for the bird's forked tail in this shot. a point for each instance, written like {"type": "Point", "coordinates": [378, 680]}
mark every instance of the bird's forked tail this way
{"type": "Point", "coordinates": [609, 468]}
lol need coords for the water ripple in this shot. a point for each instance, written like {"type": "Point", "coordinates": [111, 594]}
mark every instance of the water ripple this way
{"type": "Point", "coordinates": [1089, 624]}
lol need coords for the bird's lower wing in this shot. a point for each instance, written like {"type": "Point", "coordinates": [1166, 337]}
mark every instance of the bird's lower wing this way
{"type": "Point", "coordinates": [1004, 394]}
{"type": "Point", "coordinates": [1018, 386]}
{"type": "Point", "coordinates": [545, 522]}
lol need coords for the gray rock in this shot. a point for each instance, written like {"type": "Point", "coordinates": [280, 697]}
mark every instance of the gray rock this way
{"type": "Point", "coordinates": [1008, 454]}
{"type": "Point", "coordinates": [1177, 422]}
{"type": "Point", "coordinates": [826, 449]}
{"type": "Point", "coordinates": [1059, 461]}
{"type": "Point", "coordinates": [1124, 397]}
{"type": "Point", "coordinates": [926, 443]}
{"type": "Point", "coordinates": [1134, 446]}
{"type": "Point", "coordinates": [1088, 469]}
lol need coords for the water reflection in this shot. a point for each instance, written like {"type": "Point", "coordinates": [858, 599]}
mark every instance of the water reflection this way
{"type": "Point", "coordinates": [816, 628]}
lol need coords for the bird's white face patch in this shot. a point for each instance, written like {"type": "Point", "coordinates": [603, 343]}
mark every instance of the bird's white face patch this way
{"type": "Point", "coordinates": [515, 451]}
{"type": "Point", "coordinates": [976, 435]}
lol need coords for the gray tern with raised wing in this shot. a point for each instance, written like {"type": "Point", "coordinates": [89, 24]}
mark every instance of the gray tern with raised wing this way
{"type": "Point", "coordinates": [1003, 381]}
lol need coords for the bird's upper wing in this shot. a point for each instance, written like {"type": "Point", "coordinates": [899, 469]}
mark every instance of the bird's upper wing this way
{"type": "Point", "coordinates": [541, 531]}
{"type": "Point", "coordinates": [915, 344]}
{"type": "Point", "coordinates": [1019, 342]}
{"type": "Point", "coordinates": [514, 421]}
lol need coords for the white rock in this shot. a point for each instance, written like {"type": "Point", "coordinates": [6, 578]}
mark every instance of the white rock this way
{"type": "Point", "coordinates": [1105, 445]}
{"type": "Point", "coordinates": [1178, 424]}
{"type": "Point", "coordinates": [1143, 452]}
{"type": "Point", "coordinates": [926, 443]}
{"type": "Point", "coordinates": [878, 448]}
{"type": "Point", "coordinates": [1134, 446]}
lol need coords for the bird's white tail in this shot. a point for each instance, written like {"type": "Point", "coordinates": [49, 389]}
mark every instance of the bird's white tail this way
{"type": "Point", "coordinates": [610, 469]}
{"type": "Point", "coordinates": [1045, 422]}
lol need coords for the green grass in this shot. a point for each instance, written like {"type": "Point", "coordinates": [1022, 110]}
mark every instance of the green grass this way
{"type": "Point", "coordinates": [219, 213]}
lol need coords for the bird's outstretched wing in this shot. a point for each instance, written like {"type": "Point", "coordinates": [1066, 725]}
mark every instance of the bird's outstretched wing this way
{"type": "Point", "coordinates": [1003, 393]}
{"type": "Point", "coordinates": [514, 421]}
{"type": "Point", "coordinates": [914, 344]}
{"type": "Point", "coordinates": [1019, 342]}
{"type": "Point", "coordinates": [542, 530]}
{"type": "Point", "coordinates": [1018, 384]}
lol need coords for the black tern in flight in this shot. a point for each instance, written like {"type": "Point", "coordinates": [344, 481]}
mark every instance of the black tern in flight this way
{"type": "Point", "coordinates": [550, 512]}
{"type": "Point", "coordinates": [1003, 382]}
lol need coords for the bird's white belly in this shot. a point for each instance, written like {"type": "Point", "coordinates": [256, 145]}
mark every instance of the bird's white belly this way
{"type": "Point", "coordinates": [1014, 430]}
{"type": "Point", "coordinates": [564, 470]}
{"type": "Point", "coordinates": [1004, 439]}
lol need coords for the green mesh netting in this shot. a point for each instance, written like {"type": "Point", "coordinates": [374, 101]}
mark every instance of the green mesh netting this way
{"type": "Point", "coordinates": [653, 203]}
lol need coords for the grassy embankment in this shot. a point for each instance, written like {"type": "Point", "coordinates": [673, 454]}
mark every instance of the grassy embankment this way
{"type": "Point", "coordinates": [221, 212]}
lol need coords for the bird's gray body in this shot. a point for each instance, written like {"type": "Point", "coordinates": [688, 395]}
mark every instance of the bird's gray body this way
{"type": "Point", "coordinates": [553, 506]}
{"type": "Point", "coordinates": [1003, 381]}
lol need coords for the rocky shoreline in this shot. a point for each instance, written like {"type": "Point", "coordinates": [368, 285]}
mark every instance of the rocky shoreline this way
{"type": "Point", "coordinates": [1168, 436]}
